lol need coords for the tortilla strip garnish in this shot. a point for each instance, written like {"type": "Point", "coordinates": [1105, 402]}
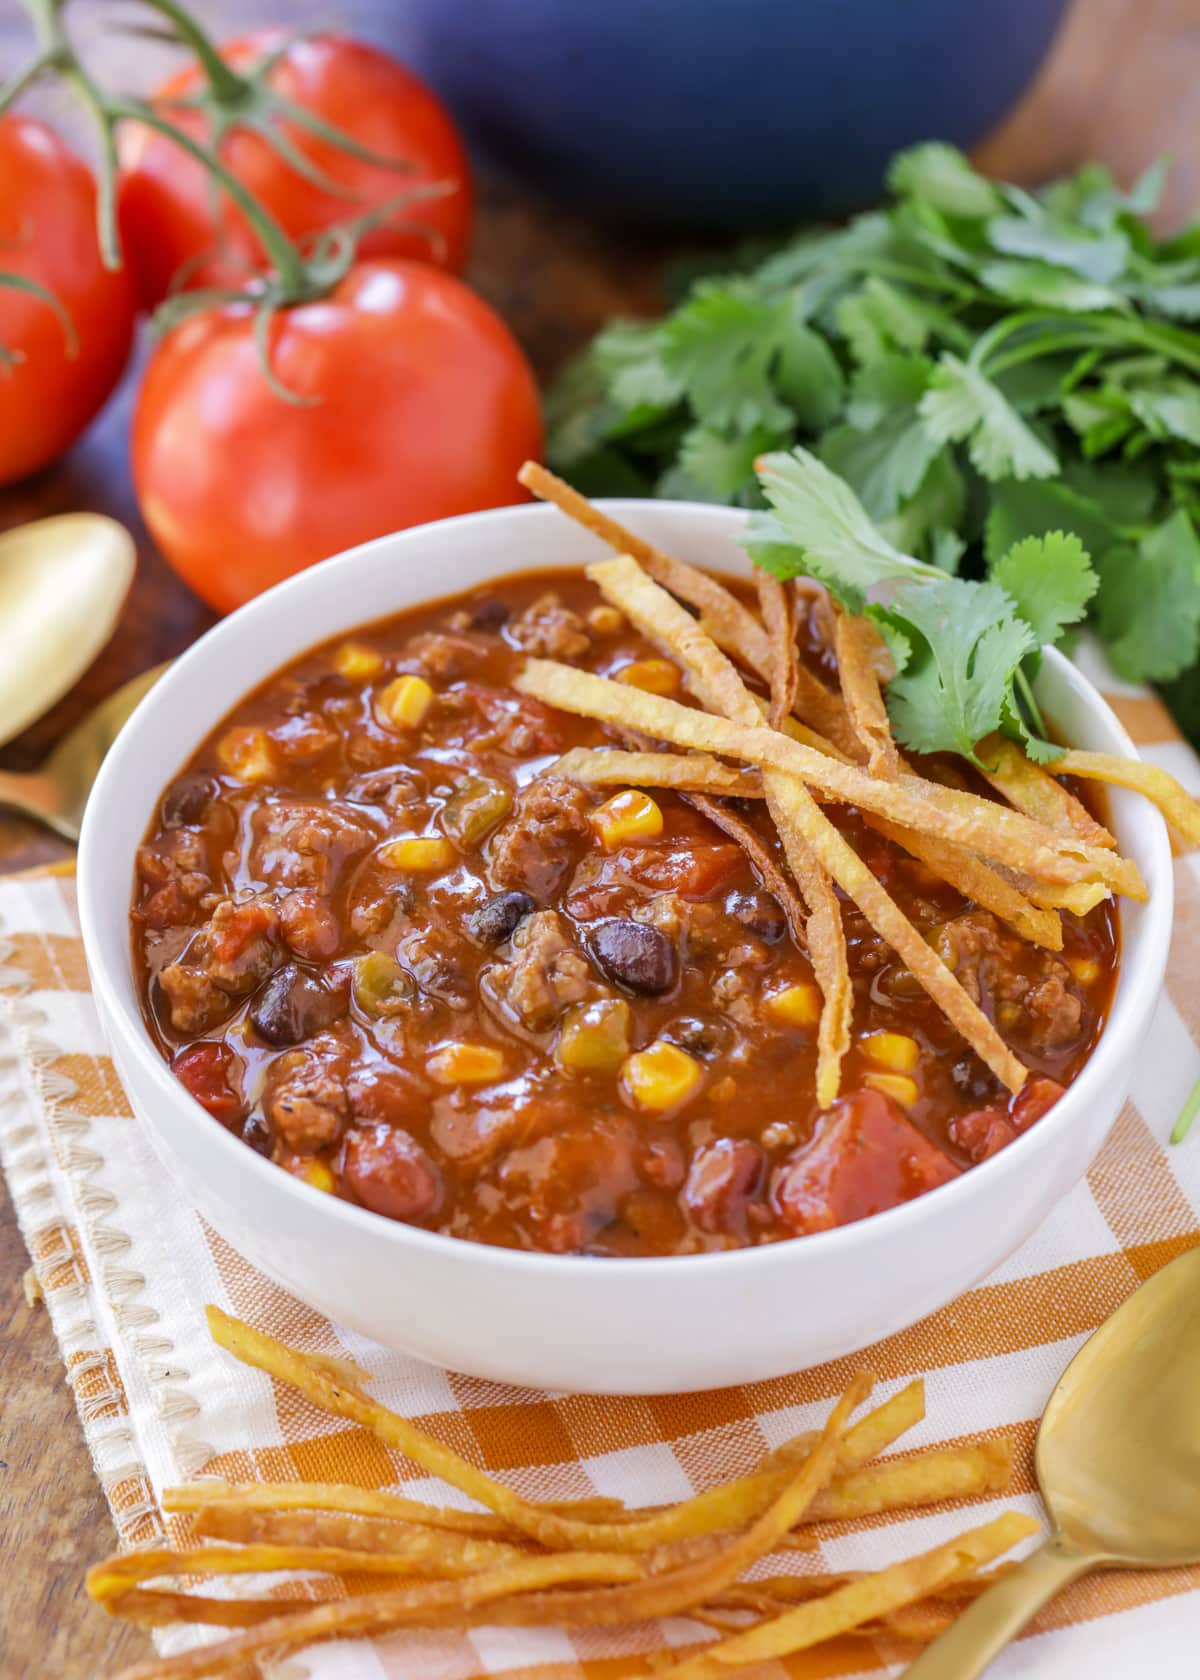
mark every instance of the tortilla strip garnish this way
{"type": "Point", "coordinates": [430, 1551]}
{"type": "Point", "coordinates": [964, 818]}
{"type": "Point", "coordinates": [730, 624]}
{"type": "Point", "coordinates": [861, 1601]}
{"type": "Point", "coordinates": [1155, 784]}
{"type": "Point", "coordinates": [764, 865]}
{"type": "Point", "coordinates": [717, 683]}
{"type": "Point", "coordinates": [777, 603]}
{"type": "Point", "coordinates": [863, 695]}
{"type": "Point", "coordinates": [801, 823]}
{"type": "Point", "coordinates": [1032, 789]}
{"type": "Point", "coordinates": [698, 773]}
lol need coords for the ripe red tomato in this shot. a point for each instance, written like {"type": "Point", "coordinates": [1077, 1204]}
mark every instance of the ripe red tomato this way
{"type": "Point", "coordinates": [166, 199]}
{"type": "Point", "coordinates": [419, 404]}
{"type": "Point", "coordinates": [48, 234]}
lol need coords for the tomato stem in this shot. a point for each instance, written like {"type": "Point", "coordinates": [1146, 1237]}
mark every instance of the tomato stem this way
{"type": "Point", "coordinates": [224, 83]}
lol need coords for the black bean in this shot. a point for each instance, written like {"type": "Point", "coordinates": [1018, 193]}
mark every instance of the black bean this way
{"type": "Point", "coordinates": [186, 801]}
{"type": "Point", "coordinates": [697, 1033]}
{"type": "Point", "coordinates": [499, 918]}
{"type": "Point", "coordinates": [759, 912]}
{"type": "Point", "coordinates": [292, 1006]}
{"type": "Point", "coordinates": [638, 957]}
{"type": "Point", "coordinates": [488, 615]}
{"type": "Point", "coordinates": [257, 1134]}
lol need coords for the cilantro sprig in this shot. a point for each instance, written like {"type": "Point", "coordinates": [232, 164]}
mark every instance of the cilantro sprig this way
{"type": "Point", "coordinates": [980, 365]}
{"type": "Point", "coordinates": [966, 651]}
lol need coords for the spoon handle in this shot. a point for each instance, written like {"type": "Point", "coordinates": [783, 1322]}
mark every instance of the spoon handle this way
{"type": "Point", "coordinates": [986, 1626]}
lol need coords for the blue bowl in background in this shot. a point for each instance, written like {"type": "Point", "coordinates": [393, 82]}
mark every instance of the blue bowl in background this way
{"type": "Point", "coordinates": [720, 113]}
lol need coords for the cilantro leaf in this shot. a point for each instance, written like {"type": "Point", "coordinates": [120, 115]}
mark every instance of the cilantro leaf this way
{"type": "Point", "coordinates": [1047, 287]}
{"type": "Point", "coordinates": [879, 318]}
{"type": "Point", "coordinates": [628, 356]}
{"type": "Point", "coordinates": [962, 404]}
{"type": "Point", "coordinates": [1050, 580]}
{"type": "Point", "coordinates": [1171, 409]}
{"type": "Point", "coordinates": [828, 531]}
{"type": "Point", "coordinates": [714, 467]}
{"type": "Point", "coordinates": [966, 649]}
{"type": "Point", "coordinates": [941, 176]}
{"type": "Point", "coordinates": [1032, 508]}
{"type": "Point", "coordinates": [1098, 257]}
{"type": "Point", "coordinates": [719, 347]}
{"type": "Point", "coordinates": [885, 450]}
{"type": "Point", "coordinates": [1148, 605]}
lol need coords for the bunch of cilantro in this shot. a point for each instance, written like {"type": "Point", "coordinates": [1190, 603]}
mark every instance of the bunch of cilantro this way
{"type": "Point", "coordinates": [979, 364]}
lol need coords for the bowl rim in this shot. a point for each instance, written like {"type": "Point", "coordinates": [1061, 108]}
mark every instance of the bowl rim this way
{"type": "Point", "coordinates": [1138, 987]}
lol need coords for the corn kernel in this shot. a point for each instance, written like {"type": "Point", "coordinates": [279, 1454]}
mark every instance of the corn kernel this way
{"type": "Point", "coordinates": [318, 1175]}
{"type": "Point", "coordinates": [631, 815]}
{"type": "Point", "coordinates": [898, 1086]}
{"type": "Point", "coordinates": [795, 1006]}
{"type": "Point", "coordinates": [1085, 969]}
{"type": "Point", "coordinates": [660, 1077]}
{"type": "Point", "coordinates": [357, 663]}
{"type": "Point", "coordinates": [248, 755]}
{"type": "Point", "coordinates": [420, 854]}
{"type": "Point", "coordinates": [466, 1064]}
{"type": "Point", "coordinates": [594, 1036]}
{"type": "Point", "coordinates": [652, 676]}
{"type": "Point", "coordinates": [892, 1050]}
{"type": "Point", "coordinates": [404, 702]}
{"type": "Point", "coordinates": [605, 620]}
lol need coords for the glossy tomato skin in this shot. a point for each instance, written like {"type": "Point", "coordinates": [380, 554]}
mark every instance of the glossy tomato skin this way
{"type": "Point", "coordinates": [48, 234]}
{"type": "Point", "coordinates": [420, 405]}
{"type": "Point", "coordinates": [165, 201]}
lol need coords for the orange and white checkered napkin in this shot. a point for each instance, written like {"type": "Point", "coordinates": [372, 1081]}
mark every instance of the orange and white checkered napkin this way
{"type": "Point", "coordinates": [126, 1267]}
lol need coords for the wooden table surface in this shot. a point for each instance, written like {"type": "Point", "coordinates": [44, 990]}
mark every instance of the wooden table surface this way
{"type": "Point", "coordinates": [1122, 85]}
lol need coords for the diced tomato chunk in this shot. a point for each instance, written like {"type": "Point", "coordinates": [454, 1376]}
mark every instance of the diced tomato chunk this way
{"type": "Point", "coordinates": [692, 871]}
{"type": "Point", "coordinates": [1035, 1097]}
{"type": "Point", "coordinates": [866, 1156]}
{"type": "Point", "coordinates": [212, 1073]}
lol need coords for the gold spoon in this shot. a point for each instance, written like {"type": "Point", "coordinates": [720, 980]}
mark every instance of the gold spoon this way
{"type": "Point", "coordinates": [62, 585]}
{"type": "Point", "coordinates": [1118, 1463]}
{"type": "Point", "coordinates": [57, 793]}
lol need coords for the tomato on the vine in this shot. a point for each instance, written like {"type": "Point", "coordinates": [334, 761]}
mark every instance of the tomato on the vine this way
{"type": "Point", "coordinates": [59, 365]}
{"type": "Point", "coordinates": [415, 402]}
{"type": "Point", "coordinates": [176, 222]}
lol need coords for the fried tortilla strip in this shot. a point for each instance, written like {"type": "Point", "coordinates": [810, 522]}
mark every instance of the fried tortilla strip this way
{"type": "Point", "coordinates": [489, 1597]}
{"type": "Point", "coordinates": [368, 1502]}
{"type": "Point", "coordinates": [718, 685]}
{"type": "Point", "coordinates": [156, 1607]}
{"type": "Point", "coordinates": [960, 1472]}
{"type": "Point", "coordinates": [1078, 898]}
{"type": "Point", "coordinates": [807, 833]}
{"type": "Point", "coordinates": [1033, 789]}
{"type": "Point", "coordinates": [719, 1508]}
{"type": "Point", "coordinates": [968, 874]}
{"type": "Point", "coordinates": [993, 830]}
{"type": "Point", "coordinates": [1153, 783]}
{"type": "Point", "coordinates": [761, 861]}
{"type": "Point", "coordinates": [699, 773]}
{"type": "Point", "coordinates": [864, 1600]}
{"type": "Point", "coordinates": [430, 1604]}
{"type": "Point", "coordinates": [429, 1551]}
{"type": "Point", "coordinates": [730, 624]}
{"type": "Point", "coordinates": [423, 1555]}
{"type": "Point", "coordinates": [777, 603]}
{"type": "Point", "coordinates": [687, 773]}
{"type": "Point", "coordinates": [853, 639]}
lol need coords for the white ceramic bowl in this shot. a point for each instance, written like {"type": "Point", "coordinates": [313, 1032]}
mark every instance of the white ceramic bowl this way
{"type": "Point", "coordinates": [563, 1322]}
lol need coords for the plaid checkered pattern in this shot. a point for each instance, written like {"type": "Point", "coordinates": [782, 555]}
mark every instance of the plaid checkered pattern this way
{"type": "Point", "coordinates": [126, 1266]}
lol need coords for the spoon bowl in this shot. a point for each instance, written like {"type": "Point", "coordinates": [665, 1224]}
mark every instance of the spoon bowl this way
{"type": "Point", "coordinates": [62, 585]}
{"type": "Point", "coordinates": [1118, 1452]}
{"type": "Point", "coordinates": [1118, 1464]}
